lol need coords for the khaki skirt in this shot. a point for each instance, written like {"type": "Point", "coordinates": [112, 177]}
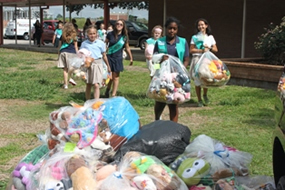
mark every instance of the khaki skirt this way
{"type": "Point", "coordinates": [95, 72]}
{"type": "Point", "coordinates": [64, 59]}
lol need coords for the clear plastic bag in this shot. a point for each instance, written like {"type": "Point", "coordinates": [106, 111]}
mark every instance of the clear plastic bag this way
{"type": "Point", "coordinates": [219, 155]}
{"type": "Point", "coordinates": [140, 171]}
{"type": "Point", "coordinates": [211, 71]}
{"type": "Point", "coordinates": [22, 177]}
{"type": "Point", "coordinates": [106, 75]}
{"type": "Point", "coordinates": [171, 82]}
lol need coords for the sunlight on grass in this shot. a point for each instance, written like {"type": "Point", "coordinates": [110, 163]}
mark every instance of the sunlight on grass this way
{"type": "Point", "coordinates": [240, 117]}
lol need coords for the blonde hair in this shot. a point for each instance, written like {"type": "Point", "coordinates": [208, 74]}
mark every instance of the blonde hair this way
{"type": "Point", "coordinates": [156, 27]}
{"type": "Point", "coordinates": [92, 26]}
{"type": "Point", "coordinates": [69, 33]}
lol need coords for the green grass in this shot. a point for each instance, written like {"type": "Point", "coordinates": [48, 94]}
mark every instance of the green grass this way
{"type": "Point", "coordinates": [241, 117]}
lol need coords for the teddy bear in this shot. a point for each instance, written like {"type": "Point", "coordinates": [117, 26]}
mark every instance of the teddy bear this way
{"type": "Point", "coordinates": [81, 176]}
{"type": "Point", "coordinates": [165, 178]}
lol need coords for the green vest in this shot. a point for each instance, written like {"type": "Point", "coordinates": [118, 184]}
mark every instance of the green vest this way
{"type": "Point", "coordinates": [150, 41]}
{"type": "Point", "coordinates": [180, 47]}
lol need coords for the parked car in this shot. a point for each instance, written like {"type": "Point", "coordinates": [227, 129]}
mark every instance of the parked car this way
{"type": "Point", "coordinates": [137, 32]}
{"type": "Point", "coordinates": [23, 28]}
{"type": "Point", "coordinates": [49, 26]}
{"type": "Point", "coordinates": [278, 155]}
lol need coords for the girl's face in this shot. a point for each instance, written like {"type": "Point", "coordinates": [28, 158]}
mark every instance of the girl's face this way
{"type": "Point", "coordinates": [156, 34]}
{"type": "Point", "coordinates": [172, 30]}
{"type": "Point", "coordinates": [60, 26]}
{"type": "Point", "coordinates": [202, 26]}
{"type": "Point", "coordinates": [119, 25]}
{"type": "Point", "coordinates": [92, 34]}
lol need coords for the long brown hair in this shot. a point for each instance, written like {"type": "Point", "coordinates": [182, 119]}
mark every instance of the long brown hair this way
{"type": "Point", "coordinates": [124, 30]}
{"type": "Point", "coordinates": [69, 33]}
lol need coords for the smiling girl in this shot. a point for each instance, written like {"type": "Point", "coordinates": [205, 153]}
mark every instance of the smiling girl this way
{"type": "Point", "coordinates": [202, 41]}
{"type": "Point", "coordinates": [95, 72]}
{"type": "Point", "coordinates": [116, 41]}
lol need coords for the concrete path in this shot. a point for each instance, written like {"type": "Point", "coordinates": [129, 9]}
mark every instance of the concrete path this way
{"type": "Point", "coordinates": [138, 54]}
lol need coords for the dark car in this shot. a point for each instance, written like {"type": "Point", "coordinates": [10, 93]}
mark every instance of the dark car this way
{"type": "Point", "coordinates": [138, 32]}
{"type": "Point", "coordinates": [278, 156]}
{"type": "Point", "coordinates": [49, 26]}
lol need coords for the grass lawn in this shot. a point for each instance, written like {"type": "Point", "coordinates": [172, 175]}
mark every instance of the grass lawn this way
{"type": "Point", "coordinates": [30, 88]}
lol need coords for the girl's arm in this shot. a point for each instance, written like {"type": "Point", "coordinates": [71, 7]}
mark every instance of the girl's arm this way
{"type": "Point", "coordinates": [193, 49]}
{"type": "Point", "coordinates": [128, 50]}
{"type": "Point", "coordinates": [106, 61]}
{"type": "Point", "coordinates": [53, 38]}
{"type": "Point", "coordinates": [76, 46]}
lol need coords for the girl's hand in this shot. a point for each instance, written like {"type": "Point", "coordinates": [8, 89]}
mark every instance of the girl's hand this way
{"type": "Point", "coordinates": [131, 62]}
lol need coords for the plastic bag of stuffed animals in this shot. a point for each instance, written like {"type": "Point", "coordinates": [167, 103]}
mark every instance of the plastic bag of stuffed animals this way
{"type": "Point", "coordinates": [106, 75]}
{"type": "Point", "coordinates": [79, 138]}
{"type": "Point", "coordinates": [80, 63]}
{"type": "Point", "coordinates": [171, 82]}
{"type": "Point", "coordinates": [102, 124]}
{"type": "Point", "coordinates": [138, 171]}
{"type": "Point", "coordinates": [281, 84]}
{"type": "Point", "coordinates": [211, 71]}
{"type": "Point", "coordinates": [209, 161]}
{"type": "Point", "coordinates": [22, 176]}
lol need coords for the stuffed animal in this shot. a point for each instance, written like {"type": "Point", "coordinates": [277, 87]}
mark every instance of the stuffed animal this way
{"type": "Point", "coordinates": [85, 127]}
{"type": "Point", "coordinates": [82, 178]}
{"type": "Point", "coordinates": [165, 178]}
{"type": "Point", "coordinates": [142, 164]}
{"type": "Point", "coordinates": [105, 171]}
{"type": "Point", "coordinates": [191, 170]}
{"type": "Point", "coordinates": [143, 182]}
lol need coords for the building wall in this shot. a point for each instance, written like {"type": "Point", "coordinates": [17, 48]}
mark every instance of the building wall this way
{"type": "Point", "coordinates": [225, 18]}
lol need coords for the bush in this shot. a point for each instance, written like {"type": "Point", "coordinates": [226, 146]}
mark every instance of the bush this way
{"type": "Point", "coordinates": [272, 43]}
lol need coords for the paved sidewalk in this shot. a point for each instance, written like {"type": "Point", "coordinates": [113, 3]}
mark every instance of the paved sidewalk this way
{"type": "Point", "coordinates": [138, 54]}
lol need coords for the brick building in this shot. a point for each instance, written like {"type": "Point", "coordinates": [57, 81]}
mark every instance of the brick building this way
{"type": "Point", "coordinates": [225, 18]}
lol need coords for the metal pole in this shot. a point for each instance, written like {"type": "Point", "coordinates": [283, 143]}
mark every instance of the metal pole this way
{"type": "Point", "coordinates": [16, 42]}
{"type": "Point", "coordinates": [30, 23]}
{"type": "Point", "coordinates": [164, 14]}
{"type": "Point", "coordinates": [243, 29]}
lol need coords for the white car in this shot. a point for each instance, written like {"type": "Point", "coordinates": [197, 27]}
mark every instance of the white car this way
{"type": "Point", "coordinates": [22, 28]}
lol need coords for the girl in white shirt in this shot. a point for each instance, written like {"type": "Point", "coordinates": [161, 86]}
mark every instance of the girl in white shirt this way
{"type": "Point", "coordinates": [201, 42]}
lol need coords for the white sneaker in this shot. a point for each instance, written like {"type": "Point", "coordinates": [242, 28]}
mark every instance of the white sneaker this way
{"type": "Point", "coordinates": [71, 81]}
{"type": "Point", "coordinates": [65, 86]}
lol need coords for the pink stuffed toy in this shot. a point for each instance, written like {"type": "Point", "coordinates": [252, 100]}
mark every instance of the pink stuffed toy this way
{"type": "Point", "coordinates": [178, 97]}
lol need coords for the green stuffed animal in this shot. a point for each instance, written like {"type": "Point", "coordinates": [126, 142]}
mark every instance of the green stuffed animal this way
{"type": "Point", "coordinates": [142, 164]}
{"type": "Point", "coordinates": [191, 170]}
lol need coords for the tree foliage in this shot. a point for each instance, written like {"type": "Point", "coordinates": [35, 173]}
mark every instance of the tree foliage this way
{"type": "Point", "coordinates": [122, 5]}
{"type": "Point", "coordinates": [272, 43]}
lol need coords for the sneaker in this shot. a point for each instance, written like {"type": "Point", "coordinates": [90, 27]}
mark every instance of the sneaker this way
{"type": "Point", "coordinates": [200, 104]}
{"type": "Point", "coordinates": [71, 81]}
{"type": "Point", "coordinates": [206, 100]}
{"type": "Point", "coordinates": [65, 86]}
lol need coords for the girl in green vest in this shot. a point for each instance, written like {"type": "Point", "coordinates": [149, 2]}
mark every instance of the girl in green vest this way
{"type": "Point", "coordinates": [149, 46]}
{"type": "Point", "coordinates": [173, 45]}
{"type": "Point", "coordinates": [117, 41]}
{"type": "Point", "coordinates": [202, 41]}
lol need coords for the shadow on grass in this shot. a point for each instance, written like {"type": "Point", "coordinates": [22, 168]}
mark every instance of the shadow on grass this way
{"type": "Point", "coordinates": [51, 59]}
{"type": "Point", "coordinates": [54, 105]}
{"type": "Point", "coordinates": [262, 119]}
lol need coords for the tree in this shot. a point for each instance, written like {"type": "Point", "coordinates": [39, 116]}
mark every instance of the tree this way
{"type": "Point", "coordinates": [123, 5]}
{"type": "Point", "coordinates": [58, 17]}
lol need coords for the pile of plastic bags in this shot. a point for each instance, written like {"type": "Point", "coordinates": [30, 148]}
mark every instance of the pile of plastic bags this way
{"type": "Point", "coordinates": [102, 146]}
